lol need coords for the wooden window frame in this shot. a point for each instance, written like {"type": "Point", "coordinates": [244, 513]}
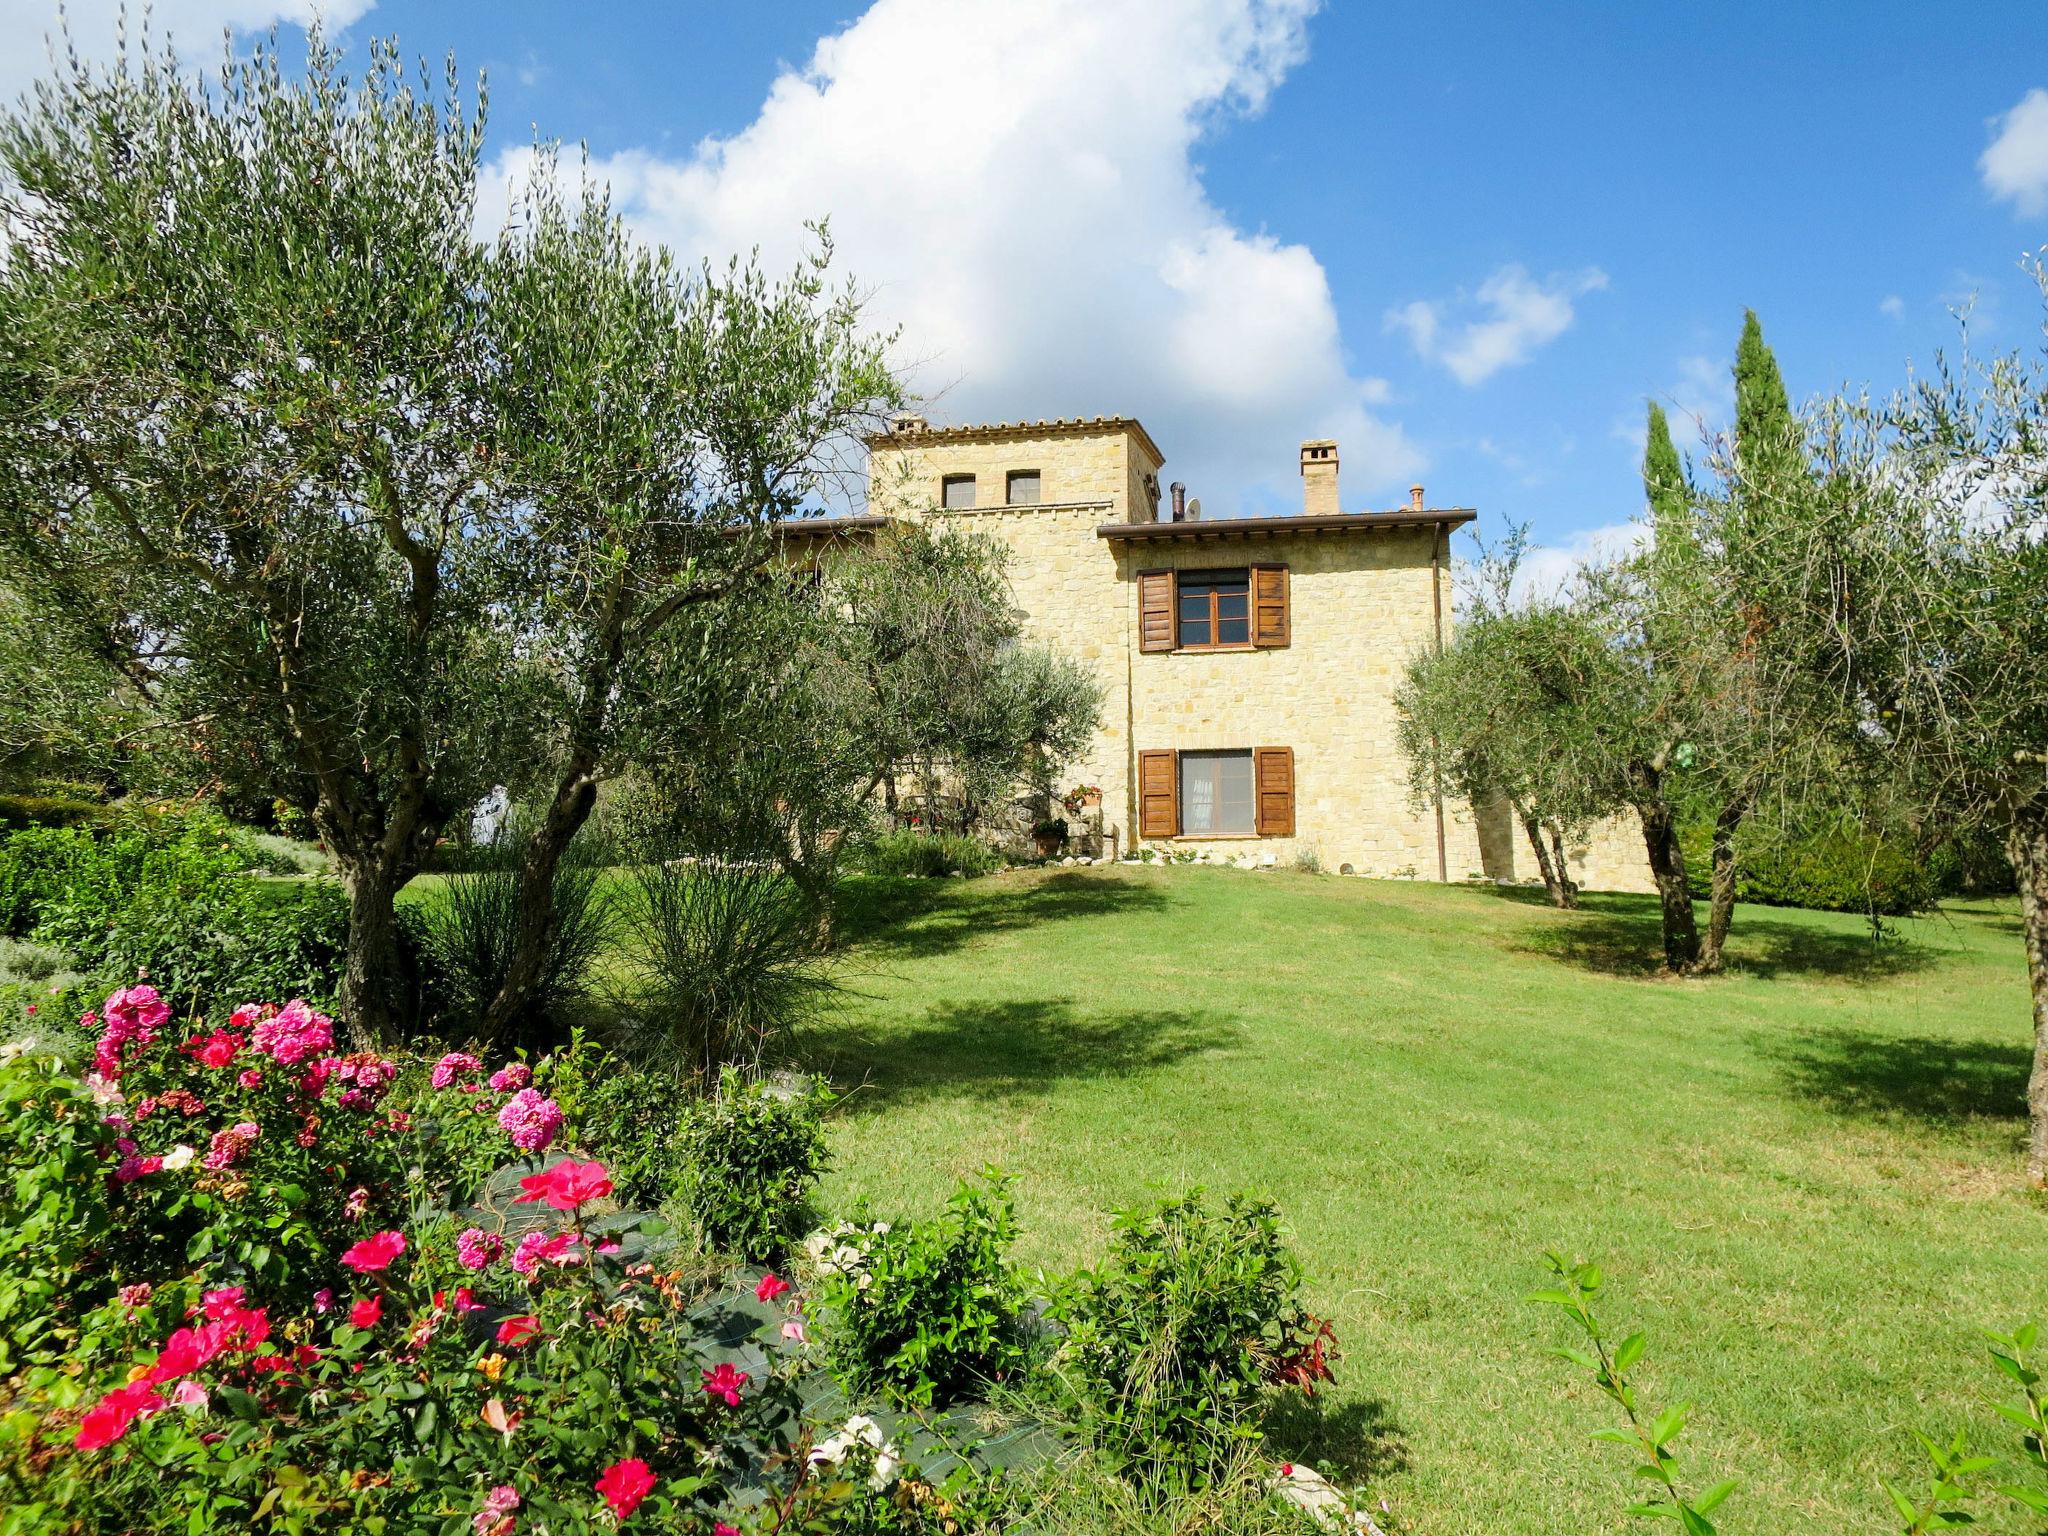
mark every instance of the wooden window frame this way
{"type": "Point", "coordinates": [1212, 573]}
{"type": "Point", "coordinates": [1274, 796]}
{"type": "Point", "coordinates": [973, 484]}
{"type": "Point", "coordinates": [1010, 491]}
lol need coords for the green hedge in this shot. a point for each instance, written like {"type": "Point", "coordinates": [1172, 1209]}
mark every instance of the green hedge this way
{"type": "Point", "coordinates": [1840, 869]}
{"type": "Point", "coordinates": [171, 894]}
{"type": "Point", "coordinates": [18, 811]}
{"type": "Point", "coordinates": [915, 853]}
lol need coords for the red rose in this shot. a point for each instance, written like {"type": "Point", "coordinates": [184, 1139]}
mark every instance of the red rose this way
{"type": "Point", "coordinates": [516, 1331]}
{"type": "Point", "coordinates": [566, 1185]}
{"type": "Point", "coordinates": [366, 1312]}
{"type": "Point", "coordinates": [374, 1253]}
{"type": "Point", "coordinates": [624, 1484]}
{"type": "Point", "coordinates": [771, 1286]}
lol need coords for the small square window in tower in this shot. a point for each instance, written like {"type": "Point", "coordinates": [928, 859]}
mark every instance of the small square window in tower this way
{"type": "Point", "coordinates": [959, 492]}
{"type": "Point", "coordinates": [1023, 487]}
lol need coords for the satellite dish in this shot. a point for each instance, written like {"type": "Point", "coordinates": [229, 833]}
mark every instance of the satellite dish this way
{"type": "Point", "coordinates": [1195, 510]}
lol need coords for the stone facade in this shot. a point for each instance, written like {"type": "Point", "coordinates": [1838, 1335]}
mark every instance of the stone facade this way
{"type": "Point", "coordinates": [1365, 592]}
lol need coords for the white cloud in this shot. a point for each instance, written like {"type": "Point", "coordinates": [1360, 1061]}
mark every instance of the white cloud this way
{"type": "Point", "coordinates": [1015, 180]}
{"type": "Point", "coordinates": [1891, 306]}
{"type": "Point", "coordinates": [195, 26]}
{"type": "Point", "coordinates": [1520, 315]}
{"type": "Point", "coordinates": [1548, 572]}
{"type": "Point", "coordinates": [2015, 163]}
{"type": "Point", "coordinates": [1698, 400]}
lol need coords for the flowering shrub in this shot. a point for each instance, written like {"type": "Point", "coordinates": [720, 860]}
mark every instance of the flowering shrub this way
{"type": "Point", "coordinates": [925, 1311]}
{"type": "Point", "coordinates": [1172, 1341]}
{"type": "Point", "coordinates": [751, 1159]}
{"type": "Point", "coordinates": [431, 1378]}
{"type": "Point", "coordinates": [244, 1154]}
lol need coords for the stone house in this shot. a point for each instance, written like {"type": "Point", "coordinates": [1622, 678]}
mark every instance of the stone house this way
{"type": "Point", "coordinates": [1248, 664]}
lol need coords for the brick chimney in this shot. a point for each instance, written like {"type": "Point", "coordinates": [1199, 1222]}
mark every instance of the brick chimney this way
{"type": "Point", "coordinates": [1319, 477]}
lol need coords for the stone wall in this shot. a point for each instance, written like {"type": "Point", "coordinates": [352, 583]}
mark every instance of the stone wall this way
{"type": "Point", "coordinates": [1360, 603]}
{"type": "Point", "coordinates": [1360, 606]}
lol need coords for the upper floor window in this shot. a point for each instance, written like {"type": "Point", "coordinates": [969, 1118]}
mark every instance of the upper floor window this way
{"type": "Point", "coordinates": [1023, 488]}
{"type": "Point", "coordinates": [1215, 608]}
{"type": "Point", "coordinates": [959, 491]}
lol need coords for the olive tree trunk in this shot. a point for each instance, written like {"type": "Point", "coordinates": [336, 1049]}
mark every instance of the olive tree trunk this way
{"type": "Point", "coordinates": [2027, 844]}
{"type": "Point", "coordinates": [1667, 869]}
{"type": "Point", "coordinates": [1721, 881]}
{"type": "Point", "coordinates": [1557, 882]}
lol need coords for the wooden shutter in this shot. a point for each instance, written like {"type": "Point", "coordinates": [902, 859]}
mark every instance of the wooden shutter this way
{"type": "Point", "coordinates": [1158, 794]}
{"type": "Point", "coordinates": [1273, 784]}
{"type": "Point", "coordinates": [1269, 605]}
{"type": "Point", "coordinates": [1155, 611]}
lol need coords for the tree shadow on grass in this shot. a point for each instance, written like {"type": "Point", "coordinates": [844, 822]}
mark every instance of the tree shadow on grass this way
{"type": "Point", "coordinates": [992, 1050]}
{"type": "Point", "coordinates": [933, 917]}
{"type": "Point", "coordinates": [1870, 1075]}
{"type": "Point", "coordinates": [1622, 935]}
{"type": "Point", "coordinates": [1353, 1441]}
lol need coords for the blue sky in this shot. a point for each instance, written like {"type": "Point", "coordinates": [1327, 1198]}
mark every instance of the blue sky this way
{"type": "Point", "coordinates": [1467, 241]}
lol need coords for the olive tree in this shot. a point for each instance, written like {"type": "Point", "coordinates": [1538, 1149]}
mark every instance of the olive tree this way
{"type": "Point", "coordinates": [654, 421]}
{"type": "Point", "coordinates": [1907, 579]}
{"type": "Point", "coordinates": [1464, 717]}
{"type": "Point", "coordinates": [244, 433]}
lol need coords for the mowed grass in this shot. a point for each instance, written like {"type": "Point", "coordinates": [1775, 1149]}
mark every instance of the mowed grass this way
{"type": "Point", "coordinates": [1802, 1178]}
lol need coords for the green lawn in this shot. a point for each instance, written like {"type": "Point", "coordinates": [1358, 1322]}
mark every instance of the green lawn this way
{"type": "Point", "coordinates": [1802, 1177]}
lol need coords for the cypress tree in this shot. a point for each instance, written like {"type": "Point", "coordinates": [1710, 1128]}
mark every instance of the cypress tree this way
{"type": "Point", "coordinates": [1766, 439]}
{"type": "Point", "coordinates": [1664, 483]}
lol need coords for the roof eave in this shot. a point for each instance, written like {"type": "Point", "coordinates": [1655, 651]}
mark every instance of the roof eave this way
{"type": "Point", "coordinates": [1252, 527]}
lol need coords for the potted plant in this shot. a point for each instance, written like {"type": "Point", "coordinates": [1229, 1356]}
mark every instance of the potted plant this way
{"type": "Point", "coordinates": [1050, 835]}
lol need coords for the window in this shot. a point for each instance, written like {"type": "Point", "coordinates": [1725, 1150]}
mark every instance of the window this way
{"type": "Point", "coordinates": [1216, 795]}
{"type": "Point", "coordinates": [959, 491]}
{"type": "Point", "coordinates": [1023, 487]}
{"type": "Point", "coordinates": [1214, 608]}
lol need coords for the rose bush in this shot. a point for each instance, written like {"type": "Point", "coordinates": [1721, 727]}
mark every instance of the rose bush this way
{"type": "Point", "coordinates": [257, 1322]}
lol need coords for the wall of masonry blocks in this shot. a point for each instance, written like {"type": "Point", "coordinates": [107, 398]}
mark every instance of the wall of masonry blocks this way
{"type": "Point", "coordinates": [1361, 605]}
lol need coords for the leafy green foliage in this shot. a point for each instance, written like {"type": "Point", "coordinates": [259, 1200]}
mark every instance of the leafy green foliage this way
{"type": "Point", "coordinates": [169, 894]}
{"type": "Point", "coordinates": [1835, 869]}
{"type": "Point", "coordinates": [928, 854]}
{"type": "Point", "coordinates": [1174, 1337]}
{"type": "Point", "coordinates": [53, 1213]}
{"type": "Point", "coordinates": [1648, 1432]}
{"type": "Point", "coordinates": [925, 1311]}
{"type": "Point", "coordinates": [752, 1155]}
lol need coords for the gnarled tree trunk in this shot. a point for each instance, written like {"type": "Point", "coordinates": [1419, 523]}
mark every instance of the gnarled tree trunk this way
{"type": "Point", "coordinates": [539, 862]}
{"type": "Point", "coordinates": [1565, 882]}
{"type": "Point", "coordinates": [1556, 882]}
{"type": "Point", "coordinates": [1721, 879]}
{"type": "Point", "coordinates": [1667, 868]}
{"type": "Point", "coordinates": [2027, 844]}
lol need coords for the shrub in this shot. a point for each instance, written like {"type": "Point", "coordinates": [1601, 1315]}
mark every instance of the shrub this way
{"type": "Point", "coordinates": [472, 930]}
{"type": "Point", "coordinates": [237, 1153]}
{"type": "Point", "coordinates": [53, 1213]}
{"type": "Point", "coordinates": [630, 1116]}
{"type": "Point", "coordinates": [930, 856]}
{"type": "Point", "coordinates": [751, 1157]}
{"type": "Point", "coordinates": [487, 1390]}
{"type": "Point", "coordinates": [729, 958]}
{"type": "Point", "coordinates": [170, 894]}
{"type": "Point", "coordinates": [1172, 1341]}
{"type": "Point", "coordinates": [1835, 869]}
{"type": "Point", "coordinates": [925, 1311]}
{"type": "Point", "coordinates": [47, 811]}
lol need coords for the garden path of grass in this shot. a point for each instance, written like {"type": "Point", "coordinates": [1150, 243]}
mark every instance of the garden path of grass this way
{"type": "Point", "coordinates": [1802, 1177]}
